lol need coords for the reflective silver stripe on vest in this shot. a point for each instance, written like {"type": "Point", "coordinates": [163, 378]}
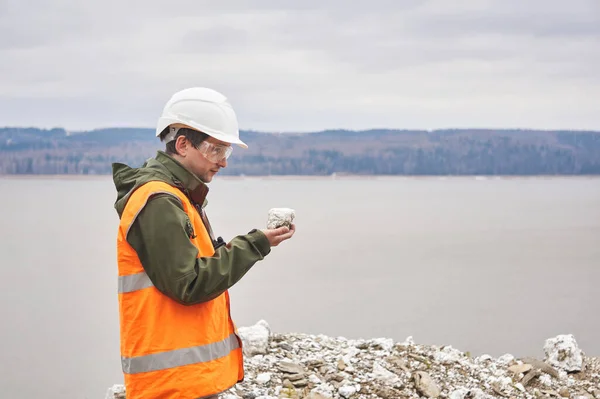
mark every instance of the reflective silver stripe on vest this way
{"type": "Point", "coordinates": [179, 357]}
{"type": "Point", "coordinates": [134, 282]}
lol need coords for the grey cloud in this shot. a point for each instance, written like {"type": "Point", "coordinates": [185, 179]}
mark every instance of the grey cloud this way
{"type": "Point", "coordinates": [222, 39]}
{"type": "Point", "coordinates": [303, 64]}
{"type": "Point", "coordinates": [513, 22]}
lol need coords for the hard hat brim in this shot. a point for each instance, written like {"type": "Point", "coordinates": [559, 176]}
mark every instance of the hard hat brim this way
{"type": "Point", "coordinates": [165, 122]}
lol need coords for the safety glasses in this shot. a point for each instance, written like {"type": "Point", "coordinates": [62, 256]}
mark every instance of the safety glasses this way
{"type": "Point", "coordinates": [214, 152]}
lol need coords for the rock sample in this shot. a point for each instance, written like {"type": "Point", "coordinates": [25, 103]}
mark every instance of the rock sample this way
{"type": "Point", "coordinates": [115, 392]}
{"type": "Point", "coordinates": [562, 352]}
{"type": "Point", "coordinates": [255, 339]}
{"type": "Point", "coordinates": [279, 217]}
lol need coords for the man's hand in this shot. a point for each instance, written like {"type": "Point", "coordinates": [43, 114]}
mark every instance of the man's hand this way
{"type": "Point", "coordinates": [278, 235]}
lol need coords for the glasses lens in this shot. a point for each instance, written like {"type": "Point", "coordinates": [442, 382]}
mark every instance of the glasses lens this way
{"type": "Point", "coordinates": [215, 152]}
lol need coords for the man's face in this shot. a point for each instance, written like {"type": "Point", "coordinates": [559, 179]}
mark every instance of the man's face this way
{"type": "Point", "coordinates": [206, 160]}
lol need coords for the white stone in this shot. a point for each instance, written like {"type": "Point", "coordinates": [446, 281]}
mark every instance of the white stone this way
{"type": "Point", "coordinates": [506, 359]}
{"type": "Point", "coordinates": [447, 355]}
{"type": "Point", "coordinates": [229, 396]}
{"type": "Point", "coordinates": [545, 379]}
{"type": "Point", "coordinates": [280, 217]}
{"type": "Point", "coordinates": [326, 390]}
{"type": "Point", "coordinates": [263, 378]}
{"type": "Point", "coordinates": [314, 379]}
{"type": "Point", "coordinates": [562, 375]}
{"type": "Point", "coordinates": [347, 390]}
{"type": "Point", "coordinates": [520, 387]}
{"type": "Point", "coordinates": [382, 374]}
{"type": "Point", "coordinates": [114, 391]}
{"type": "Point", "coordinates": [386, 343]}
{"type": "Point", "coordinates": [460, 393]}
{"type": "Point", "coordinates": [483, 358]}
{"type": "Point", "coordinates": [349, 355]}
{"type": "Point", "coordinates": [500, 382]}
{"type": "Point", "coordinates": [255, 339]}
{"type": "Point", "coordinates": [562, 352]}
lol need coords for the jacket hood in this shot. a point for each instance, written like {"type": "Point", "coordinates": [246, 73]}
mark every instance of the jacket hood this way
{"type": "Point", "coordinates": [128, 179]}
{"type": "Point", "coordinates": [163, 168]}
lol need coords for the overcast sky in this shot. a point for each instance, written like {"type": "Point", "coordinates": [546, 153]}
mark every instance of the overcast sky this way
{"type": "Point", "coordinates": [304, 65]}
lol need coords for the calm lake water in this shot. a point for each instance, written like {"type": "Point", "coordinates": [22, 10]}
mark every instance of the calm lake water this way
{"type": "Point", "coordinates": [485, 265]}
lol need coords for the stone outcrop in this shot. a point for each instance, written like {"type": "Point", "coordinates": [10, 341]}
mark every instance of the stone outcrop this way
{"type": "Point", "coordinates": [298, 366]}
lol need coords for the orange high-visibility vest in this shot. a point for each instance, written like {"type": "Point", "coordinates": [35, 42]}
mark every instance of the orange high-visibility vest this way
{"type": "Point", "coordinates": [169, 350]}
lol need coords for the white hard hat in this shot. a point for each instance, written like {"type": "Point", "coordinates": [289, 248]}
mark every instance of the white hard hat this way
{"type": "Point", "coordinates": [202, 109]}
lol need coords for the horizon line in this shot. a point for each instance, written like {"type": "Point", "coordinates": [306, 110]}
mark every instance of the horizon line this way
{"type": "Point", "coordinates": [279, 131]}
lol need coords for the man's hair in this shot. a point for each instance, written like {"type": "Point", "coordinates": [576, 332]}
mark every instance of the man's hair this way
{"type": "Point", "coordinates": [193, 136]}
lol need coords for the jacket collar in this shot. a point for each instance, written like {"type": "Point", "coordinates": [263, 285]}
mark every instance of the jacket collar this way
{"type": "Point", "coordinates": [193, 187]}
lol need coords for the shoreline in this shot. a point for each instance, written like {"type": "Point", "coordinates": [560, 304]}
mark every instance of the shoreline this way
{"type": "Point", "coordinates": [298, 366]}
{"type": "Point", "coordinates": [319, 177]}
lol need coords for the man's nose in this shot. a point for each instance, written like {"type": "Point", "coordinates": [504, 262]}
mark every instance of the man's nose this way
{"type": "Point", "coordinates": [222, 163]}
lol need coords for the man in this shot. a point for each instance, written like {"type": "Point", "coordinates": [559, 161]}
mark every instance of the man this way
{"type": "Point", "coordinates": [177, 336]}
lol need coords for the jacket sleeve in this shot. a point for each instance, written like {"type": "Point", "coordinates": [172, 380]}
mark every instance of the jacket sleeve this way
{"type": "Point", "coordinates": [170, 259]}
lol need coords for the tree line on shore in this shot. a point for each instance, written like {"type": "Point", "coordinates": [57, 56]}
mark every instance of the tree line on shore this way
{"type": "Point", "coordinates": [369, 152]}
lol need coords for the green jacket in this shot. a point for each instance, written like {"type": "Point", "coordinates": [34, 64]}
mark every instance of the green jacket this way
{"type": "Point", "coordinates": [160, 235]}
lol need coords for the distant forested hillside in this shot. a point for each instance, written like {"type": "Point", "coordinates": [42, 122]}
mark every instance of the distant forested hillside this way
{"type": "Point", "coordinates": [388, 152]}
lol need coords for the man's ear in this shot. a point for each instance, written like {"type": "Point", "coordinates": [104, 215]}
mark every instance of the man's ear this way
{"type": "Point", "coordinates": [181, 145]}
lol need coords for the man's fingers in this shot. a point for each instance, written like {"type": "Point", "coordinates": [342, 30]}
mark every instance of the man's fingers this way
{"type": "Point", "coordinates": [281, 234]}
{"type": "Point", "coordinates": [281, 230]}
{"type": "Point", "coordinates": [286, 235]}
{"type": "Point", "coordinates": [276, 236]}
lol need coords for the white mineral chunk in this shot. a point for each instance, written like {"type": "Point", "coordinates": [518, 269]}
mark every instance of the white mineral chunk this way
{"type": "Point", "coordinates": [460, 393]}
{"type": "Point", "coordinates": [562, 352]}
{"type": "Point", "coordinates": [263, 378]}
{"type": "Point", "coordinates": [506, 359]}
{"type": "Point", "coordinates": [546, 379]}
{"type": "Point", "coordinates": [280, 217]}
{"type": "Point", "coordinates": [326, 390]}
{"type": "Point", "coordinates": [501, 383]}
{"type": "Point", "coordinates": [384, 343]}
{"type": "Point", "coordinates": [520, 387]}
{"type": "Point", "coordinates": [382, 374]}
{"type": "Point", "coordinates": [349, 355]}
{"type": "Point", "coordinates": [562, 375]}
{"type": "Point", "coordinates": [347, 391]}
{"type": "Point", "coordinates": [483, 358]}
{"type": "Point", "coordinates": [255, 339]}
{"type": "Point", "coordinates": [448, 355]}
{"type": "Point", "coordinates": [115, 392]}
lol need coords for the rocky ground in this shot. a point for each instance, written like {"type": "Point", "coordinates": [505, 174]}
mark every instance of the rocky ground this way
{"type": "Point", "coordinates": [300, 366]}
